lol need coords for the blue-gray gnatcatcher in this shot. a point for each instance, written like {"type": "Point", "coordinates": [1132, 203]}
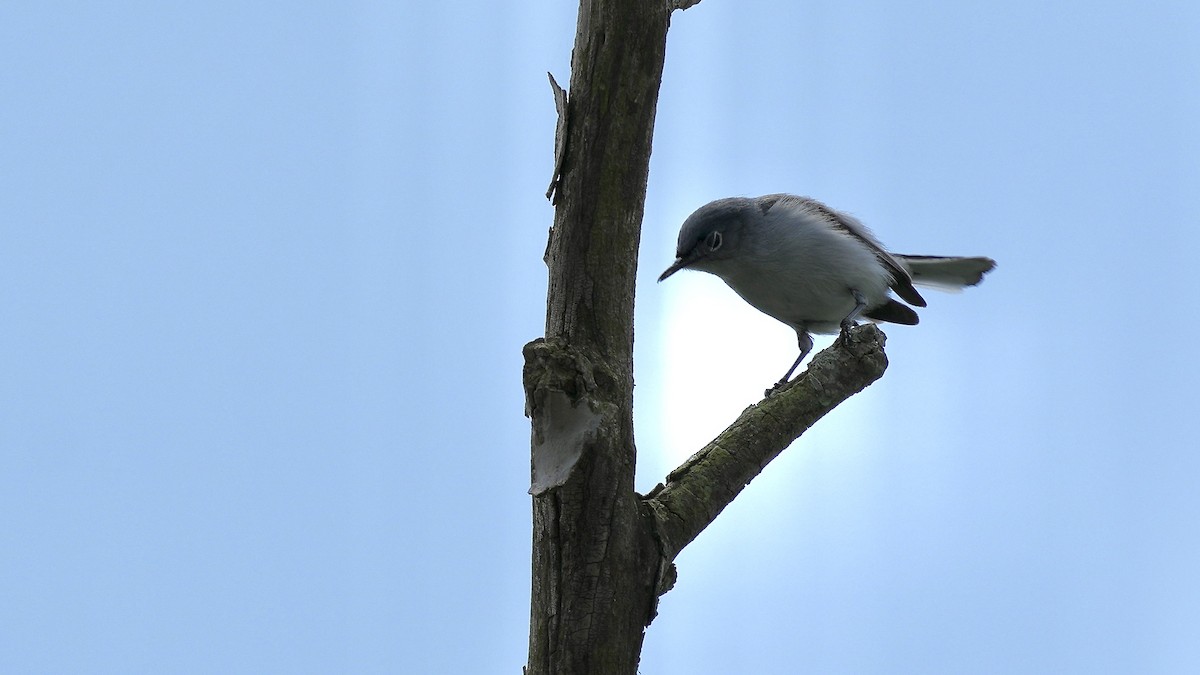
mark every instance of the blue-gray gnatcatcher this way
{"type": "Point", "coordinates": [811, 267]}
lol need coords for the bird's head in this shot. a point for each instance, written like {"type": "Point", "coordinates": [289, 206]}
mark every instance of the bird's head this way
{"type": "Point", "coordinates": [712, 234]}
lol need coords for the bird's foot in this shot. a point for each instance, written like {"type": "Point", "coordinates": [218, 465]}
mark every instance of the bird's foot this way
{"type": "Point", "coordinates": [774, 388]}
{"type": "Point", "coordinates": [844, 336]}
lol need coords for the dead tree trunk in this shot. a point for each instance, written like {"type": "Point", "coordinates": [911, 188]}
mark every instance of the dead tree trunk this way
{"type": "Point", "coordinates": [602, 554]}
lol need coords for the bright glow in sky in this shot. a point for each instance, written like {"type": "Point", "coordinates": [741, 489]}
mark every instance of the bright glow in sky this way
{"type": "Point", "coordinates": [266, 270]}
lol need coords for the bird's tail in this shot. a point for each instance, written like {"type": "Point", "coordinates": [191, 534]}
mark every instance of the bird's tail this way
{"type": "Point", "coordinates": [947, 273]}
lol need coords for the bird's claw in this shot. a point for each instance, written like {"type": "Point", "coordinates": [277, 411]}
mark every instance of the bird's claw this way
{"type": "Point", "coordinates": [844, 336]}
{"type": "Point", "coordinates": [774, 388]}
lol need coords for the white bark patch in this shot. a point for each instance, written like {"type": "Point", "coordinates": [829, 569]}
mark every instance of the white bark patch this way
{"type": "Point", "coordinates": [558, 442]}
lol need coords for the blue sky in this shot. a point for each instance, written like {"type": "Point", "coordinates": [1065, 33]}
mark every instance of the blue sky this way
{"type": "Point", "coordinates": [266, 269]}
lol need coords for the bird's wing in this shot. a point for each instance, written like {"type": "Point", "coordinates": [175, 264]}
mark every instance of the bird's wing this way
{"type": "Point", "coordinates": [901, 279]}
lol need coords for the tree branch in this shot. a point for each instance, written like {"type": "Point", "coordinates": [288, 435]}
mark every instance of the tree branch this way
{"type": "Point", "coordinates": [700, 488]}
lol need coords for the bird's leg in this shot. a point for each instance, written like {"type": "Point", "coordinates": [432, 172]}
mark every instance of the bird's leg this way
{"type": "Point", "coordinates": [806, 345]}
{"type": "Point", "coordinates": [860, 303]}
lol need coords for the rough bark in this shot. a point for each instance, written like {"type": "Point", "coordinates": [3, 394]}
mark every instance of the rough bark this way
{"type": "Point", "coordinates": [593, 581]}
{"type": "Point", "coordinates": [602, 554]}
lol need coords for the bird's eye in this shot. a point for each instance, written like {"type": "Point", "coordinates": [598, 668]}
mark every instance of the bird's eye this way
{"type": "Point", "coordinates": [713, 241]}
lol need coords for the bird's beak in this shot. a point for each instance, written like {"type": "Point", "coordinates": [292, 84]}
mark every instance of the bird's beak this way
{"type": "Point", "coordinates": [679, 264]}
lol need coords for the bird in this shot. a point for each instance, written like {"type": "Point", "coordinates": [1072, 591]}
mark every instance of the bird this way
{"type": "Point", "coordinates": [812, 267]}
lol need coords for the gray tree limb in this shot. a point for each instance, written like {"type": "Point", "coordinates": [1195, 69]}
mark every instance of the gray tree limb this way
{"type": "Point", "coordinates": [700, 488]}
{"type": "Point", "coordinates": [594, 563]}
